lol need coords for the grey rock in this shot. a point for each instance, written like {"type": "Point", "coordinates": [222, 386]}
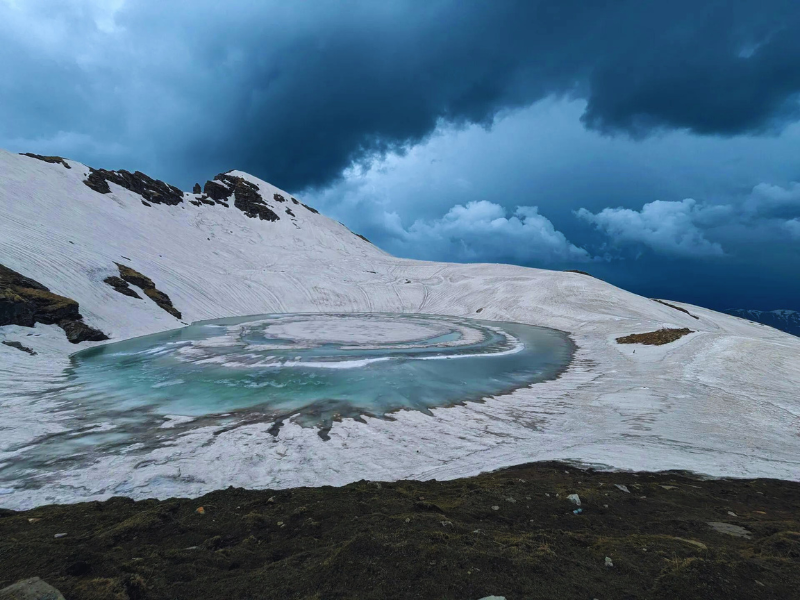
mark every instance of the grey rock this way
{"type": "Point", "coordinates": [729, 529]}
{"type": "Point", "coordinates": [30, 589]}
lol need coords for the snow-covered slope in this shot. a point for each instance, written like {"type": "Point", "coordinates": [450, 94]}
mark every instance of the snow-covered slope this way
{"type": "Point", "coordinates": [722, 400]}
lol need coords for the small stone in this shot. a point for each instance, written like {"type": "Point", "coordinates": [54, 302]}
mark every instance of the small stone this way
{"type": "Point", "coordinates": [733, 514]}
{"type": "Point", "coordinates": [622, 487]}
{"type": "Point", "coordinates": [408, 520]}
{"type": "Point", "coordinates": [271, 500]}
{"type": "Point", "coordinates": [200, 510]}
{"type": "Point", "coordinates": [759, 583]}
{"type": "Point", "coordinates": [609, 562]}
{"type": "Point", "coordinates": [669, 487]}
{"type": "Point", "coordinates": [510, 499]}
{"type": "Point", "coordinates": [60, 535]}
{"type": "Point", "coordinates": [30, 589]}
{"type": "Point", "coordinates": [447, 524]}
{"type": "Point", "coordinates": [493, 598]}
{"type": "Point", "coordinates": [34, 520]}
{"type": "Point", "coordinates": [495, 508]}
{"type": "Point", "coordinates": [575, 499]}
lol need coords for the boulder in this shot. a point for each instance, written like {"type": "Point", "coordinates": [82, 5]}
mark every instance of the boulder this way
{"type": "Point", "coordinates": [30, 589]}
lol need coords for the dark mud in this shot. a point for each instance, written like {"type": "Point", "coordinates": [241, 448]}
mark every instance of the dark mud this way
{"type": "Point", "coordinates": [512, 533]}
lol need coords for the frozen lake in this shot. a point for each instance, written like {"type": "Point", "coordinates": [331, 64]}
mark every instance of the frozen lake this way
{"type": "Point", "coordinates": [313, 369]}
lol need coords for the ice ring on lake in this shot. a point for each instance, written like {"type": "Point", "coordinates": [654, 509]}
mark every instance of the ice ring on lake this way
{"type": "Point", "coordinates": [312, 368]}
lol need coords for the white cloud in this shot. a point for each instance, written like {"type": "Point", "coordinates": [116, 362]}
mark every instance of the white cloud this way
{"type": "Point", "coordinates": [766, 197]}
{"type": "Point", "coordinates": [669, 228]}
{"type": "Point", "coordinates": [483, 231]}
{"type": "Point", "coordinates": [793, 227]}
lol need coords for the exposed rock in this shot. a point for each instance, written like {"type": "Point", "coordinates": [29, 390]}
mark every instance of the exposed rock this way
{"type": "Point", "coordinates": [77, 331]}
{"type": "Point", "coordinates": [575, 499]}
{"type": "Point", "coordinates": [136, 278]}
{"type": "Point", "coordinates": [26, 302]}
{"type": "Point", "coordinates": [295, 201]}
{"type": "Point", "coordinates": [216, 191]}
{"type": "Point", "coordinates": [578, 272]}
{"type": "Point", "coordinates": [278, 198]}
{"type": "Point", "coordinates": [289, 212]}
{"type": "Point", "coordinates": [313, 210]}
{"type": "Point", "coordinates": [154, 191]}
{"type": "Point", "coordinates": [196, 189]}
{"type": "Point", "coordinates": [56, 160]}
{"type": "Point", "coordinates": [19, 346]}
{"type": "Point", "coordinates": [121, 286]}
{"type": "Point", "coordinates": [97, 182]}
{"type": "Point", "coordinates": [358, 235]}
{"type": "Point", "coordinates": [30, 589]}
{"type": "Point", "coordinates": [683, 310]}
{"type": "Point", "coordinates": [729, 529]}
{"type": "Point", "coordinates": [247, 198]}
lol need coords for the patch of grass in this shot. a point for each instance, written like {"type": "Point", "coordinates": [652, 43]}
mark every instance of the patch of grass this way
{"type": "Point", "coordinates": [423, 539]}
{"type": "Point", "coordinates": [654, 338]}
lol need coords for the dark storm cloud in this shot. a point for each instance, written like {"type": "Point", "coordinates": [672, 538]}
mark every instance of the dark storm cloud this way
{"type": "Point", "coordinates": [298, 92]}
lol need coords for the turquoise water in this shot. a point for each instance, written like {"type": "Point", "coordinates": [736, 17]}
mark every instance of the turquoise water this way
{"type": "Point", "coordinates": [312, 369]}
{"type": "Point", "coordinates": [249, 364]}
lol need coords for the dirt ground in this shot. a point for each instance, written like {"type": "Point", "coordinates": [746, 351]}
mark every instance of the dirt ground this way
{"type": "Point", "coordinates": [511, 533]}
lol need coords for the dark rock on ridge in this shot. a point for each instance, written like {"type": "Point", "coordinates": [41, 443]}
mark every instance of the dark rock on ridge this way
{"type": "Point", "coordinates": [196, 189]}
{"type": "Point", "coordinates": [154, 191]}
{"type": "Point", "coordinates": [56, 160]}
{"type": "Point", "coordinates": [121, 286]}
{"type": "Point", "coordinates": [133, 277]}
{"type": "Point", "coordinates": [313, 210]}
{"type": "Point", "coordinates": [19, 346]}
{"type": "Point", "coordinates": [216, 191]}
{"type": "Point", "coordinates": [247, 198]}
{"type": "Point", "coordinates": [278, 198]}
{"type": "Point", "coordinates": [26, 302]}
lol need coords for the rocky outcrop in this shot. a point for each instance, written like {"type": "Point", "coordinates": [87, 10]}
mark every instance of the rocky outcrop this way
{"type": "Point", "coordinates": [154, 191]}
{"type": "Point", "coordinates": [56, 160]}
{"type": "Point", "coordinates": [196, 189]}
{"type": "Point", "coordinates": [313, 210]}
{"type": "Point", "coordinates": [216, 190]}
{"type": "Point", "coordinates": [121, 286]}
{"type": "Point", "coordinates": [26, 302]}
{"type": "Point", "coordinates": [134, 277]}
{"type": "Point", "coordinates": [18, 346]}
{"type": "Point", "coordinates": [247, 197]}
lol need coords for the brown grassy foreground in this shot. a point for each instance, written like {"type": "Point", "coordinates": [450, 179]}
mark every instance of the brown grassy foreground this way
{"type": "Point", "coordinates": [512, 533]}
{"type": "Point", "coordinates": [654, 338]}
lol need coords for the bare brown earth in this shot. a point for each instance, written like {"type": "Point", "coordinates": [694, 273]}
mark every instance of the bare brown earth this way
{"type": "Point", "coordinates": [511, 533]}
{"type": "Point", "coordinates": [654, 338]}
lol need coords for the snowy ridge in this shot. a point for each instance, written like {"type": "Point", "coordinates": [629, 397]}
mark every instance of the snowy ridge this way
{"type": "Point", "coordinates": [783, 319]}
{"type": "Point", "coordinates": [721, 401]}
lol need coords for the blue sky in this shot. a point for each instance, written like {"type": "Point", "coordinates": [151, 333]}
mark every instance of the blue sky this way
{"type": "Point", "coordinates": [653, 144]}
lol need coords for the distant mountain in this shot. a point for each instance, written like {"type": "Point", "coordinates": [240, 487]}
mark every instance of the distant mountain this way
{"type": "Point", "coordinates": [785, 320]}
